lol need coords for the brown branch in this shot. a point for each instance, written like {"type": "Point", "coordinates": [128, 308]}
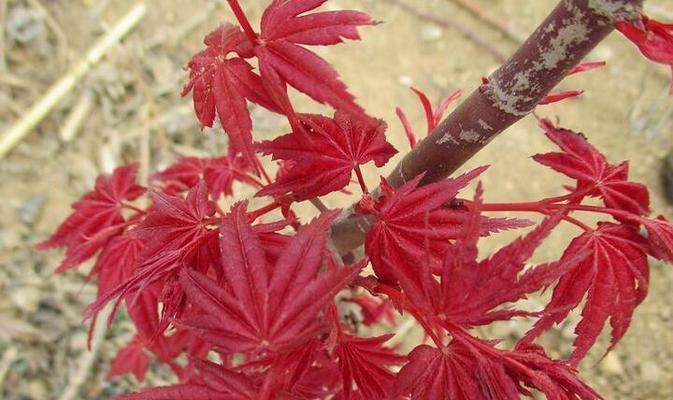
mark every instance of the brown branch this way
{"type": "Point", "coordinates": [570, 32]}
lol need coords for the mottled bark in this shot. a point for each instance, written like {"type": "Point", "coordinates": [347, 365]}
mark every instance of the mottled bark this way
{"type": "Point", "coordinates": [570, 32]}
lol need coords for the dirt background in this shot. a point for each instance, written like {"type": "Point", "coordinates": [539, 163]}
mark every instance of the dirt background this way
{"type": "Point", "coordinates": [137, 114]}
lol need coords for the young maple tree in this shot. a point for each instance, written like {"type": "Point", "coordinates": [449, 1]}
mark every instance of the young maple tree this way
{"type": "Point", "coordinates": [244, 309]}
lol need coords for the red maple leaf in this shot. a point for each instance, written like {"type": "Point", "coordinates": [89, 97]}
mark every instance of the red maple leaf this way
{"type": "Point", "coordinates": [433, 116]}
{"type": "Point", "coordinates": [218, 383]}
{"type": "Point", "coordinates": [117, 262]}
{"type": "Point", "coordinates": [131, 359]}
{"type": "Point", "coordinates": [473, 369]}
{"type": "Point", "coordinates": [469, 290]}
{"type": "Point", "coordinates": [365, 361]}
{"type": "Point", "coordinates": [181, 176]}
{"type": "Point", "coordinates": [222, 83]}
{"type": "Point", "coordinates": [414, 223]}
{"type": "Point", "coordinates": [97, 217]}
{"type": "Point", "coordinates": [374, 311]}
{"type": "Point", "coordinates": [219, 173]}
{"type": "Point", "coordinates": [325, 153]}
{"type": "Point", "coordinates": [177, 235]}
{"type": "Point", "coordinates": [613, 275]}
{"type": "Point", "coordinates": [660, 237]}
{"type": "Point", "coordinates": [653, 38]}
{"type": "Point", "coordinates": [285, 28]}
{"type": "Point", "coordinates": [594, 174]}
{"type": "Point", "coordinates": [256, 309]}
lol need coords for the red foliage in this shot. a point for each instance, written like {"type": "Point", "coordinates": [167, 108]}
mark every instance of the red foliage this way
{"type": "Point", "coordinates": [97, 217]}
{"type": "Point", "coordinates": [264, 297]}
{"type": "Point", "coordinates": [653, 38]}
{"type": "Point", "coordinates": [325, 153]}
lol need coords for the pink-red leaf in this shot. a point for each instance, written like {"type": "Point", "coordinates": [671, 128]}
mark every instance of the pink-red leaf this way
{"type": "Point", "coordinates": [284, 27]}
{"type": "Point", "coordinates": [472, 369]}
{"type": "Point", "coordinates": [130, 359]}
{"type": "Point", "coordinates": [653, 38]}
{"type": "Point", "coordinates": [221, 84]}
{"type": "Point", "coordinates": [258, 306]}
{"type": "Point", "coordinates": [413, 224]}
{"type": "Point", "coordinates": [97, 217]}
{"type": "Point", "coordinates": [612, 274]}
{"type": "Point", "coordinates": [560, 96]}
{"type": "Point", "coordinates": [326, 154]}
{"type": "Point", "coordinates": [594, 174]}
{"type": "Point", "coordinates": [365, 362]}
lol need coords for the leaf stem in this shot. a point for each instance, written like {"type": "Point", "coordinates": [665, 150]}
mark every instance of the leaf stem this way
{"type": "Point", "coordinates": [243, 20]}
{"type": "Point", "coordinates": [536, 207]}
{"type": "Point", "coordinates": [361, 180]}
{"type": "Point", "coordinates": [317, 203]}
{"type": "Point", "coordinates": [133, 208]}
{"type": "Point", "coordinates": [263, 210]}
{"type": "Point", "coordinates": [261, 168]}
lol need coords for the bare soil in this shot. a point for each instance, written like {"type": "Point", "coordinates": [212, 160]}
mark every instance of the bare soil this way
{"type": "Point", "coordinates": [137, 114]}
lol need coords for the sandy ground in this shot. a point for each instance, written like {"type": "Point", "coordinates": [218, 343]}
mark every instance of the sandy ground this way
{"type": "Point", "coordinates": [137, 114]}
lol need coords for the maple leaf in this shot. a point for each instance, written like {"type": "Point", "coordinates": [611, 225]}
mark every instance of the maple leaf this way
{"type": "Point", "coordinates": [97, 217]}
{"type": "Point", "coordinates": [177, 235]}
{"type": "Point", "coordinates": [219, 383]}
{"type": "Point", "coordinates": [660, 237]}
{"type": "Point", "coordinates": [130, 359]}
{"type": "Point", "coordinates": [285, 28]}
{"type": "Point", "coordinates": [221, 84]}
{"type": "Point", "coordinates": [117, 262]}
{"type": "Point", "coordinates": [567, 94]}
{"type": "Point", "coordinates": [653, 38]}
{"type": "Point", "coordinates": [613, 276]}
{"type": "Point", "coordinates": [472, 369]}
{"type": "Point", "coordinates": [326, 153]}
{"type": "Point", "coordinates": [364, 361]}
{"type": "Point", "coordinates": [470, 290]}
{"type": "Point", "coordinates": [413, 223]}
{"type": "Point", "coordinates": [219, 173]}
{"type": "Point", "coordinates": [433, 116]}
{"type": "Point", "coordinates": [374, 311]}
{"type": "Point", "coordinates": [560, 96]}
{"type": "Point", "coordinates": [595, 176]}
{"type": "Point", "coordinates": [257, 308]}
{"type": "Point", "coordinates": [181, 176]}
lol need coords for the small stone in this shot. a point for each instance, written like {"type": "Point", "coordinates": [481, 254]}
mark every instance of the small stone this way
{"type": "Point", "coordinates": [26, 298]}
{"type": "Point", "coordinates": [37, 389]}
{"type": "Point", "coordinates": [650, 371]}
{"type": "Point", "coordinates": [78, 341]}
{"type": "Point", "coordinates": [30, 210]}
{"type": "Point", "coordinates": [406, 80]}
{"type": "Point", "coordinates": [431, 33]}
{"type": "Point", "coordinates": [612, 364]}
{"type": "Point", "coordinates": [25, 25]}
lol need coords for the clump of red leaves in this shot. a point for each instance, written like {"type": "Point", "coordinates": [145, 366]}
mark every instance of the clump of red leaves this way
{"type": "Point", "coordinates": [255, 306]}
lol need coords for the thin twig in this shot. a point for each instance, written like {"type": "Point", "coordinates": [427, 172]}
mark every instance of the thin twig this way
{"type": "Point", "coordinates": [16, 132]}
{"type": "Point", "coordinates": [8, 358]}
{"type": "Point", "coordinates": [61, 38]}
{"type": "Point", "coordinates": [86, 361]}
{"type": "Point", "coordinates": [475, 10]}
{"type": "Point", "coordinates": [3, 43]}
{"type": "Point", "coordinates": [78, 114]}
{"type": "Point", "coordinates": [464, 30]}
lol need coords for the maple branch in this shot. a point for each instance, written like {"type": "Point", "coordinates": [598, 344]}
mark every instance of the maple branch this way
{"type": "Point", "coordinates": [513, 91]}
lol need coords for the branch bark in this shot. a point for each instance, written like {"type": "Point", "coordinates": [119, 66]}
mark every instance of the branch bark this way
{"type": "Point", "coordinates": [568, 34]}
